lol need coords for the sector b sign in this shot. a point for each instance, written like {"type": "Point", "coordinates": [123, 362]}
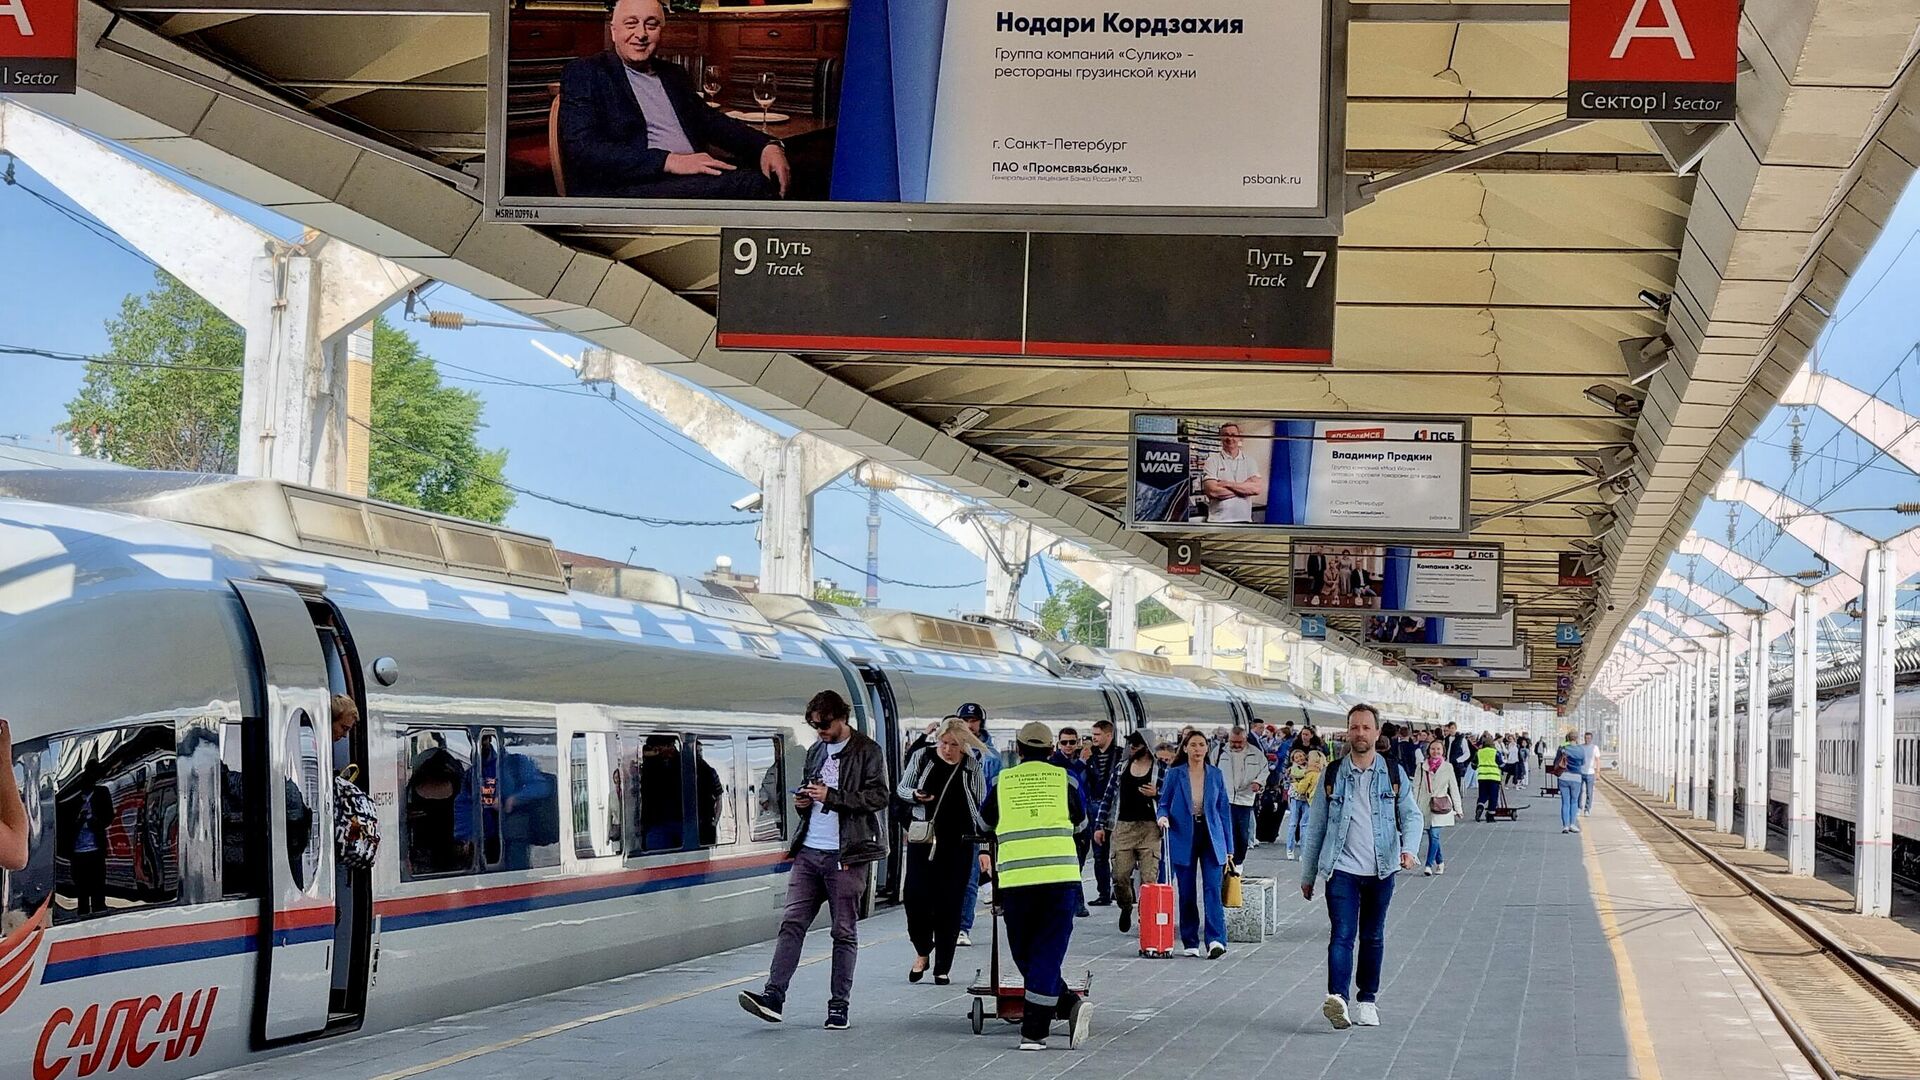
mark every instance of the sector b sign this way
{"type": "Point", "coordinates": [37, 39]}
{"type": "Point", "coordinates": [1652, 59]}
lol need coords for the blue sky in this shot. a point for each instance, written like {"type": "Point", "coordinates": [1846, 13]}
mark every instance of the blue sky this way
{"type": "Point", "coordinates": [61, 282]}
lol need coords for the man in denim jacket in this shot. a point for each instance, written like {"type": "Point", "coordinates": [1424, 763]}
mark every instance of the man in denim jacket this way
{"type": "Point", "coordinates": [1364, 826]}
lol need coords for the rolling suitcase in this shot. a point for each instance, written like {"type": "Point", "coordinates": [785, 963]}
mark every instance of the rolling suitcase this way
{"type": "Point", "coordinates": [1157, 913]}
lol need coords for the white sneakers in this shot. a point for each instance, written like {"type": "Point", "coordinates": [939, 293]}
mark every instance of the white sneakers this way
{"type": "Point", "coordinates": [1079, 1024]}
{"type": "Point", "coordinates": [1293, 856]}
{"type": "Point", "coordinates": [963, 941]}
{"type": "Point", "coordinates": [1426, 871]}
{"type": "Point", "coordinates": [1440, 868]}
{"type": "Point", "coordinates": [1193, 952]}
{"type": "Point", "coordinates": [1215, 950]}
{"type": "Point", "coordinates": [1364, 1013]}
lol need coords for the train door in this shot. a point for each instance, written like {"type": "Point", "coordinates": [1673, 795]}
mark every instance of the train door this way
{"type": "Point", "coordinates": [884, 712]}
{"type": "Point", "coordinates": [290, 717]}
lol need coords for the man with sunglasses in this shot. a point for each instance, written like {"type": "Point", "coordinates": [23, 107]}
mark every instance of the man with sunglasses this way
{"type": "Point", "coordinates": [840, 834]}
{"type": "Point", "coordinates": [1072, 756]}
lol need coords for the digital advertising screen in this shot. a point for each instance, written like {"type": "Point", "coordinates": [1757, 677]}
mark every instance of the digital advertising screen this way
{"type": "Point", "coordinates": [1451, 636]}
{"type": "Point", "coordinates": [1064, 115]}
{"type": "Point", "coordinates": [1373, 476]}
{"type": "Point", "coordinates": [1396, 578]}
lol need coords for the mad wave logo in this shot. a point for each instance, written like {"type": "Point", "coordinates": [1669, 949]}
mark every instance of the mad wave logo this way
{"type": "Point", "coordinates": [17, 951]}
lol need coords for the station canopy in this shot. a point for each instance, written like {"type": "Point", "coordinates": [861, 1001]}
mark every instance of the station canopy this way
{"type": "Point", "coordinates": [1501, 290]}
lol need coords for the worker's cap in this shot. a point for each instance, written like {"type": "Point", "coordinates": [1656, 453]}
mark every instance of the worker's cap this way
{"type": "Point", "coordinates": [1035, 734]}
{"type": "Point", "coordinates": [970, 711]}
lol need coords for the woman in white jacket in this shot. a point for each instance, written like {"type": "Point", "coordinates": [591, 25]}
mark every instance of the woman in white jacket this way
{"type": "Point", "coordinates": [1437, 788]}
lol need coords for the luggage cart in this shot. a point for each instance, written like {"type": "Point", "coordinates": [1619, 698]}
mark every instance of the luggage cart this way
{"type": "Point", "coordinates": [1008, 992]}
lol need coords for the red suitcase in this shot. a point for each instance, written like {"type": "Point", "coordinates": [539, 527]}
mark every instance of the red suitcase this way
{"type": "Point", "coordinates": [1156, 920]}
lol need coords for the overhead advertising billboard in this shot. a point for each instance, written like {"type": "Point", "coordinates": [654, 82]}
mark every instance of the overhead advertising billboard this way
{"type": "Point", "coordinates": [1390, 578]}
{"type": "Point", "coordinates": [1381, 477]}
{"type": "Point", "coordinates": [1059, 115]}
{"type": "Point", "coordinates": [1450, 636]}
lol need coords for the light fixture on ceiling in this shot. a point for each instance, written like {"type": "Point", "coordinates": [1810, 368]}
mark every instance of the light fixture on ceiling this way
{"type": "Point", "coordinates": [1623, 400]}
{"type": "Point", "coordinates": [964, 421]}
{"type": "Point", "coordinates": [1645, 357]}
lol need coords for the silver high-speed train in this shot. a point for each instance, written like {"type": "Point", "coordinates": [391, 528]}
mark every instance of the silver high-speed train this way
{"type": "Point", "coordinates": [572, 782]}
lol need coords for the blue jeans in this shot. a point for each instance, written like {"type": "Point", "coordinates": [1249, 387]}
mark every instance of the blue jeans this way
{"type": "Point", "coordinates": [1242, 832]}
{"type": "Point", "coordinates": [1570, 790]}
{"type": "Point", "coordinates": [1299, 823]}
{"type": "Point", "coordinates": [1434, 855]}
{"type": "Point", "coordinates": [1586, 791]}
{"type": "Point", "coordinates": [1357, 906]}
{"type": "Point", "coordinates": [1208, 870]}
{"type": "Point", "coordinates": [972, 902]}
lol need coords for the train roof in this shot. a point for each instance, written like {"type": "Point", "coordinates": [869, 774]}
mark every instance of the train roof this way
{"type": "Point", "coordinates": [179, 530]}
{"type": "Point", "coordinates": [908, 639]}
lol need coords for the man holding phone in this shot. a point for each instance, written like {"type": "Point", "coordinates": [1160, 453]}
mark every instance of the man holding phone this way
{"type": "Point", "coordinates": [840, 834]}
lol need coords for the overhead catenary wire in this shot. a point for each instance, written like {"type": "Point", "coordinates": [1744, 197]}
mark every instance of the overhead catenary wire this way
{"type": "Point", "coordinates": [894, 581]}
{"type": "Point", "coordinates": [531, 493]}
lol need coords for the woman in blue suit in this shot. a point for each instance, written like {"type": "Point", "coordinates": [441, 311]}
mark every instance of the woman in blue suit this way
{"type": "Point", "coordinates": [1198, 820]}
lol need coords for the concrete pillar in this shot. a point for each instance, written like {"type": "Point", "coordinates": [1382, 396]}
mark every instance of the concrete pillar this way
{"type": "Point", "coordinates": [1684, 735]}
{"type": "Point", "coordinates": [1873, 812]}
{"type": "Point", "coordinates": [1123, 609]}
{"type": "Point", "coordinates": [1669, 713]}
{"type": "Point", "coordinates": [1204, 617]}
{"type": "Point", "coordinates": [1801, 755]}
{"type": "Point", "coordinates": [296, 302]}
{"type": "Point", "coordinates": [1753, 830]}
{"type": "Point", "coordinates": [358, 347]}
{"type": "Point", "coordinates": [786, 523]}
{"type": "Point", "coordinates": [1256, 659]}
{"type": "Point", "coordinates": [1296, 659]}
{"type": "Point", "coordinates": [1723, 741]}
{"type": "Point", "coordinates": [1702, 727]}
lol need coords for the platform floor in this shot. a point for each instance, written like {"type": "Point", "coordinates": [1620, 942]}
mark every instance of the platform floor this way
{"type": "Point", "coordinates": [1537, 954]}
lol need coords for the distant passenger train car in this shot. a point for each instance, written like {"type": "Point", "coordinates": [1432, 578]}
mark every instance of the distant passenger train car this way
{"type": "Point", "coordinates": [1836, 768]}
{"type": "Point", "coordinates": [572, 783]}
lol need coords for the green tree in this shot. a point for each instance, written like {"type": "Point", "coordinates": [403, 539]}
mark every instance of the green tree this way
{"type": "Point", "coordinates": [1074, 613]}
{"type": "Point", "coordinates": [424, 449]}
{"type": "Point", "coordinates": [1152, 612]}
{"type": "Point", "coordinates": [834, 594]}
{"type": "Point", "coordinates": [167, 396]}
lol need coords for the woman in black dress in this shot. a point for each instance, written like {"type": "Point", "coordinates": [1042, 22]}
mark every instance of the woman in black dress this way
{"type": "Point", "coordinates": [945, 789]}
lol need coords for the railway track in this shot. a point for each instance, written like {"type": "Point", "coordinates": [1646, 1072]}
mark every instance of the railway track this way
{"type": "Point", "coordinates": [1851, 1021]}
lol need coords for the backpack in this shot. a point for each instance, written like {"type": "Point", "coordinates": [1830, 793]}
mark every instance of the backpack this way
{"type": "Point", "coordinates": [356, 824]}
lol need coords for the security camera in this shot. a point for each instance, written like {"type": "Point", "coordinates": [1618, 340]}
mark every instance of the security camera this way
{"type": "Point", "coordinates": [1609, 607]}
{"type": "Point", "coordinates": [1624, 401]}
{"type": "Point", "coordinates": [1023, 484]}
{"type": "Point", "coordinates": [748, 504]}
{"type": "Point", "coordinates": [1657, 301]}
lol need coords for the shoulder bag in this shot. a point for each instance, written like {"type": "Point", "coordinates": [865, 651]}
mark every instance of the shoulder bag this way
{"type": "Point", "coordinates": [921, 832]}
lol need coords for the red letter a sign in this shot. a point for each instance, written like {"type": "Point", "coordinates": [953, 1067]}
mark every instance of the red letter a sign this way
{"type": "Point", "coordinates": [1652, 59]}
{"type": "Point", "coordinates": [37, 46]}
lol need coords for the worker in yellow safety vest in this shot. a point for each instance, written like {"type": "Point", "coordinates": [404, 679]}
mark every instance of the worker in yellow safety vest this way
{"type": "Point", "coordinates": [1036, 871]}
{"type": "Point", "coordinates": [1486, 765]}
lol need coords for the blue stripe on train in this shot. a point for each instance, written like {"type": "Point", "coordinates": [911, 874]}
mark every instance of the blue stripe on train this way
{"type": "Point", "coordinates": [518, 905]}
{"type": "Point", "coordinates": [158, 956]}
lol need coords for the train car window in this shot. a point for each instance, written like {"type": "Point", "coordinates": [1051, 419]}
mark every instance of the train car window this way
{"type": "Point", "coordinates": [769, 796]}
{"type": "Point", "coordinates": [714, 790]}
{"type": "Point", "coordinates": [656, 784]}
{"type": "Point", "coordinates": [117, 822]}
{"type": "Point", "coordinates": [594, 776]}
{"type": "Point", "coordinates": [25, 892]}
{"type": "Point", "coordinates": [519, 799]}
{"type": "Point", "coordinates": [303, 796]}
{"type": "Point", "coordinates": [239, 871]}
{"type": "Point", "coordinates": [438, 826]}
